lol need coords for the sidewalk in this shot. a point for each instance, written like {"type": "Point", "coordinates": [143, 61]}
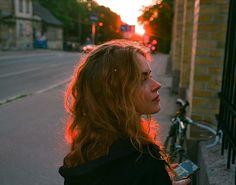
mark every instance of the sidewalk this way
{"type": "Point", "coordinates": [214, 166]}
{"type": "Point", "coordinates": [161, 73]}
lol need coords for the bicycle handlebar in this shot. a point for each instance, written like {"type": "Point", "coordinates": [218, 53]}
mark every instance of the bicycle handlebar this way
{"type": "Point", "coordinates": [180, 124]}
{"type": "Point", "coordinates": [188, 120]}
{"type": "Point", "coordinates": [183, 105]}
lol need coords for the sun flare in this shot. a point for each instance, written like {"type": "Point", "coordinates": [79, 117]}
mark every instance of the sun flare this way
{"type": "Point", "coordinates": [129, 10]}
{"type": "Point", "coordinates": [139, 29]}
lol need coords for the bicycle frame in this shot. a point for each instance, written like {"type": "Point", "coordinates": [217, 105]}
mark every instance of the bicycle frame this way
{"type": "Point", "coordinates": [178, 130]}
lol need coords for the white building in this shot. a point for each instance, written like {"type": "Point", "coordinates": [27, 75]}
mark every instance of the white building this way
{"type": "Point", "coordinates": [20, 20]}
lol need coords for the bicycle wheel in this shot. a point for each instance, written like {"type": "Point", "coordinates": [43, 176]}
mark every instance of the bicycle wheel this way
{"type": "Point", "coordinates": [180, 148]}
{"type": "Point", "coordinates": [171, 138]}
{"type": "Point", "coordinates": [169, 145]}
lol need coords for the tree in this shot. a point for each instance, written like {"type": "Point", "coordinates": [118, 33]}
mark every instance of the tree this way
{"type": "Point", "coordinates": [110, 28]}
{"type": "Point", "coordinates": [157, 21]}
{"type": "Point", "coordinates": [75, 15]}
{"type": "Point", "coordinates": [66, 11]}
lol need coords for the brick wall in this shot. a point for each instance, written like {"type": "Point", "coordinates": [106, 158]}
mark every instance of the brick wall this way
{"type": "Point", "coordinates": [198, 53]}
{"type": "Point", "coordinates": [209, 57]}
{"type": "Point", "coordinates": [193, 53]}
{"type": "Point", "coordinates": [176, 43]}
{"type": "Point", "coordinates": [187, 35]}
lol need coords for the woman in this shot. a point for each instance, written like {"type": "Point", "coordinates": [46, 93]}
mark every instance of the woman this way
{"type": "Point", "coordinates": [111, 143]}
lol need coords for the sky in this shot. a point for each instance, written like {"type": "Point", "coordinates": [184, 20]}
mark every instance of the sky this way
{"type": "Point", "coordinates": [128, 10]}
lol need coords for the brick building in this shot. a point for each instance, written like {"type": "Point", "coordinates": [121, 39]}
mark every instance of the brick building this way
{"type": "Point", "coordinates": [197, 54]}
{"type": "Point", "coordinates": [203, 62]}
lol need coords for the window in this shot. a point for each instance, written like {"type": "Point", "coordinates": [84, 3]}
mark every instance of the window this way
{"type": "Point", "coordinates": [27, 6]}
{"type": "Point", "coordinates": [21, 29]}
{"type": "Point", "coordinates": [21, 6]}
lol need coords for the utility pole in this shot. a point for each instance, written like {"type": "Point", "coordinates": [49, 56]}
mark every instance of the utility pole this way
{"type": "Point", "coordinates": [94, 18]}
{"type": "Point", "coordinates": [93, 32]}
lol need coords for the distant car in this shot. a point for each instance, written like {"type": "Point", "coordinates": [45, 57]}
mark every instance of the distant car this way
{"type": "Point", "coordinates": [40, 44]}
{"type": "Point", "coordinates": [87, 48]}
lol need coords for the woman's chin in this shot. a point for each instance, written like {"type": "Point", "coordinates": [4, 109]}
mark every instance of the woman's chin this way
{"type": "Point", "coordinates": [156, 110]}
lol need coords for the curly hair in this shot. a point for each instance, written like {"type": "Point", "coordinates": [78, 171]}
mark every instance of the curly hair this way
{"type": "Point", "coordinates": [100, 102]}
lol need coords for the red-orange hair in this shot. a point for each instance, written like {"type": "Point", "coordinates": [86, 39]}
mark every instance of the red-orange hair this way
{"type": "Point", "coordinates": [100, 102]}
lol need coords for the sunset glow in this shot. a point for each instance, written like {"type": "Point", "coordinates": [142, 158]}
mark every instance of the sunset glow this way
{"type": "Point", "coordinates": [129, 10]}
{"type": "Point", "coordinates": [139, 29]}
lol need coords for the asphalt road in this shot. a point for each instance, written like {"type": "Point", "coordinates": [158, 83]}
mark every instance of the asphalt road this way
{"type": "Point", "coordinates": [23, 74]}
{"type": "Point", "coordinates": [31, 128]}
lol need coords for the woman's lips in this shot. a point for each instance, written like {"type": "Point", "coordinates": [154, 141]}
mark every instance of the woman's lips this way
{"type": "Point", "coordinates": [157, 98]}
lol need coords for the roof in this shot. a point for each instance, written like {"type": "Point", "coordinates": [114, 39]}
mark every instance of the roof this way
{"type": "Point", "coordinates": [45, 14]}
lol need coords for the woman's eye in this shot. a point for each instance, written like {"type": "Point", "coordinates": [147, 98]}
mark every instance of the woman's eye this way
{"type": "Point", "coordinates": [145, 78]}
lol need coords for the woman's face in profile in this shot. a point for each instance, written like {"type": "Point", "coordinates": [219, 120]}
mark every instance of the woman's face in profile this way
{"type": "Point", "coordinates": [147, 96]}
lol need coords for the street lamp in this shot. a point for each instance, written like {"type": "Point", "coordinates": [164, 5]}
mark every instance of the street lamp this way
{"type": "Point", "coordinates": [94, 18]}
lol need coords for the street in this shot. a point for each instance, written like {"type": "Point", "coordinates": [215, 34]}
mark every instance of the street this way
{"type": "Point", "coordinates": [27, 74]}
{"type": "Point", "coordinates": [32, 127]}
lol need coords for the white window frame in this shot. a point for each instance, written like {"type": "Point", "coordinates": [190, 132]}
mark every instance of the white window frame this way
{"type": "Point", "coordinates": [21, 6]}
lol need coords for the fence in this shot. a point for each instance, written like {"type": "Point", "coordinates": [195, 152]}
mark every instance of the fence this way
{"type": "Point", "coordinates": [227, 115]}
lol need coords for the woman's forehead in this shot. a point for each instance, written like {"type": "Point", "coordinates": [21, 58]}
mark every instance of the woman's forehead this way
{"type": "Point", "coordinates": [143, 63]}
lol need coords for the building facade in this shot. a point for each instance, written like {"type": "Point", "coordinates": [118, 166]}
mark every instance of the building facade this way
{"type": "Point", "coordinates": [23, 12]}
{"type": "Point", "coordinates": [47, 27]}
{"type": "Point", "coordinates": [204, 72]}
{"type": "Point", "coordinates": [197, 54]}
{"type": "Point", "coordinates": [21, 26]}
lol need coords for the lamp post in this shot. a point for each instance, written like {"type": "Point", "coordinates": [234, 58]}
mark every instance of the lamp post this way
{"type": "Point", "coordinates": [94, 18]}
{"type": "Point", "coordinates": [93, 32]}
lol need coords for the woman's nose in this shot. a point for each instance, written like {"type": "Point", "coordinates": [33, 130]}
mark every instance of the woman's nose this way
{"type": "Point", "coordinates": [156, 85]}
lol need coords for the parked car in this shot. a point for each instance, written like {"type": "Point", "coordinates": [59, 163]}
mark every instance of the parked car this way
{"type": "Point", "coordinates": [71, 46]}
{"type": "Point", "coordinates": [40, 44]}
{"type": "Point", "coordinates": [87, 48]}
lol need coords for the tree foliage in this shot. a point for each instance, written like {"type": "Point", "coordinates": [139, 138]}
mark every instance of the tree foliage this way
{"type": "Point", "coordinates": [75, 15]}
{"type": "Point", "coordinates": [157, 21]}
{"type": "Point", "coordinates": [111, 24]}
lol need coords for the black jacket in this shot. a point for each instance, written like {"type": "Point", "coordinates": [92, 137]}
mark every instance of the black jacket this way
{"type": "Point", "coordinates": [122, 166]}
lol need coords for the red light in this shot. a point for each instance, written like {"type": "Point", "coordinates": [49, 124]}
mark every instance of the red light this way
{"type": "Point", "coordinates": [154, 42]}
{"type": "Point", "coordinates": [100, 24]}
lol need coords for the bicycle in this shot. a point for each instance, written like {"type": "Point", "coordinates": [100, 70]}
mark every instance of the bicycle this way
{"type": "Point", "coordinates": [175, 143]}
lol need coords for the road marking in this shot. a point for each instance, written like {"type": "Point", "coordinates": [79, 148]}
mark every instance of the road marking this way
{"type": "Point", "coordinates": [19, 72]}
{"type": "Point", "coordinates": [57, 65]}
{"type": "Point", "coordinates": [13, 98]}
{"type": "Point", "coordinates": [49, 53]}
{"type": "Point", "coordinates": [24, 56]}
{"type": "Point", "coordinates": [20, 96]}
{"type": "Point", "coordinates": [53, 86]}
